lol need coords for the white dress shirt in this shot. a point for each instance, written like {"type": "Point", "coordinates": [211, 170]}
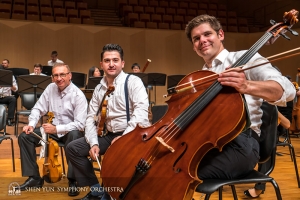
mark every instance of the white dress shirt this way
{"type": "Point", "coordinates": [69, 108]}
{"type": "Point", "coordinates": [41, 74]}
{"type": "Point", "coordinates": [262, 73]}
{"type": "Point", "coordinates": [51, 63]}
{"type": "Point", "coordinates": [6, 91]}
{"type": "Point", "coordinates": [116, 120]}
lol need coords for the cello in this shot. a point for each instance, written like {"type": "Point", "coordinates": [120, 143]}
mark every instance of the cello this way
{"type": "Point", "coordinates": [153, 162]}
{"type": "Point", "coordinates": [295, 126]}
{"type": "Point", "coordinates": [52, 170]}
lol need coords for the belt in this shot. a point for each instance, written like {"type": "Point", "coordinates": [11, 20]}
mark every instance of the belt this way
{"type": "Point", "coordinates": [254, 135]}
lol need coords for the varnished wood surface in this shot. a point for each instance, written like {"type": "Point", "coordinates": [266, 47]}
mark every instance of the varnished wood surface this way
{"type": "Point", "coordinates": [284, 174]}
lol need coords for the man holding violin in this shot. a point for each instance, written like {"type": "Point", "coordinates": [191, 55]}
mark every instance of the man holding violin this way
{"type": "Point", "coordinates": [119, 118]}
{"type": "Point", "coordinates": [69, 105]}
{"type": "Point", "coordinates": [239, 156]}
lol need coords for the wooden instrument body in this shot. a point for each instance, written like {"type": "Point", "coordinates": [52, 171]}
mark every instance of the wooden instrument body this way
{"type": "Point", "coordinates": [221, 121]}
{"type": "Point", "coordinates": [52, 170]}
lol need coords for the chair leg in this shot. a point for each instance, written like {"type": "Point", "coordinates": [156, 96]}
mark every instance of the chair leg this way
{"type": "Point", "coordinates": [207, 196]}
{"type": "Point", "coordinates": [220, 193]}
{"type": "Point", "coordinates": [233, 192]}
{"type": "Point", "coordinates": [16, 124]}
{"type": "Point", "coordinates": [277, 190]}
{"type": "Point", "coordinates": [291, 147]}
{"type": "Point", "coordinates": [62, 161]}
{"type": "Point", "coordinates": [12, 153]}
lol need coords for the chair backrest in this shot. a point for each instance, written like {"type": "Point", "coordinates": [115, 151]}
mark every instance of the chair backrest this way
{"type": "Point", "coordinates": [2, 117]}
{"type": "Point", "coordinates": [158, 111]}
{"type": "Point", "coordinates": [27, 100]}
{"type": "Point", "coordinates": [268, 128]}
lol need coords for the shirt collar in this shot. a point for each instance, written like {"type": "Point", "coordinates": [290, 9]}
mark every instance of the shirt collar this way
{"type": "Point", "coordinates": [116, 80]}
{"type": "Point", "coordinates": [220, 59]}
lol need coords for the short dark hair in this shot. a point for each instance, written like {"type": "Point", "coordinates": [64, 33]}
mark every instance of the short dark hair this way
{"type": "Point", "coordinates": [135, 64]}
{"type": "Point", "coordinates": [112, 47]}
{"type": "Point", "coordinates": [54, 53]}
{"type": "Point", "coordinates": [38, 65]}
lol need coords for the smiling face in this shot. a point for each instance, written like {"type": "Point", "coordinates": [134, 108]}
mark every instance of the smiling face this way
{"type": "Point", "coordinates": [62, 76]}
{"type": "Point", "coordinates": [112, 64]}
{"type": "Point", "coordinates": [207, 42]}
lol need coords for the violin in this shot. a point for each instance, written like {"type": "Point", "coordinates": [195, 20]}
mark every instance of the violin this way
{"type": "Point", "coordinates": [161, 161]}
{"type": "Point", "coordinates": [52, 170]}
{"type": "Point", "coordinates": [146, 65]}
{"type": "Point", "coordinates": [103, 106]}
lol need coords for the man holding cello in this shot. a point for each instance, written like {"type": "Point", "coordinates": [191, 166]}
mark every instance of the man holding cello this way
{"type": "Point", "coordinates": [127, 106]}
{"type": "Point", "coordinates": [69, 106]}
{"type": "Point", "coordinates": [239, 156]}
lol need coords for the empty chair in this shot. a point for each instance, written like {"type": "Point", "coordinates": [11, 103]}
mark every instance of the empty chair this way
{"type": "Point", "coordinates": [242, 21]}
{"type": "Point", "coordinates": [61, 19]}
{"type": "Point", "coordinates": [57, 4]}
{"type": "Point", "coordinates": [254, 29]}
{"type": "Point", "coordinates": [163, 25]}
{"type": "Point", "coordinates": [19, 2]}
{"type": "Point", "coordinates": [212, 6]}
{"type": "Point", "coordinates": [180, 11]}
{"type": "Point", "coordinates": [126, 9]}
{"type": "Point", "coordinates": [232, 28]}
{"type": "Point", "coordinates": [191, 12]}
{"type": "Point", "coordinates": [133, 2]}
{"type": "Point", "coordinates": [88, 21]}
{"type": "Point", "coordinates": [178, 19]}
{"type": "Point", "coordinates": [131, 18]}
{"type": "Point", "coordinates": [152, 25]}
{"type": "Point", "coordinates": [156, 18]}
{"type": "Point", "coordinates": [82, 6]}
{"type": "Point", "coordinates": [7, 1]}
{"type": "Point", "coordinates": [121, 3]}
{"type": "Point", "coordinates": [232, 22]}
{"type": "Point", "coordinates": [153, 3]}
{"type": "Point", "coordinates": [72, 13]}
{"type": "Point", "coordinates": [160, 10]}
{"type": "Point", "coordinates": [222, 7]}
{"type": "Point", "coordinates": [47, 18]}
{"type": "Point", "coordinates": [175, 26]}
{"type": "Point", "coordinates": [144, 17]}
{"type": "Point", "coordinates": [173, 4]}
{"type": "Point", "coordinates": [70, 5]}
{"type": "Point", "coordinates": [149, 10]}
{"type": "Point", "coordinates": [46, 11]}
{"type": "Point", "coordinates": [183, 4]}
{"type": "Point", "coordinates": [223, 22]}
{"type": "Point", "coordinates": [167, 18]}
{"type": "Point", "coordinates": [201, 12]}
{"type": "Point", "coordinates": [85, 14]}
{"type": "Point", "coordinates": [212, 12]}
{"type": "Point", "coordinates": [222, 13]}
{"type": "Point", "coordinates": [170, 11]}
{"type": "Point", "coordinates": [243, 29]}
{"type": "Point", "coordinates": [5, 10]}
{"type": "Point", "coordinates": [163, 4]}
{"type": "Point", "coordinates": [18, 12]}
{"type": "Point", "coordinates": [139, 24]}
{"type": "Point", "coordinates": [231, 14]}
{"type": "Point", "coordinates": [188, 18]}
{"type": "Point", "coordinates": [33, 13]}
{"type": "Point", "coordinates": [45, 3]}
{"type": "Point", "coordinates": [202, 6]}
{"type": "Point", "coordinates": [59, 12]}
{"type": "Point", "coordinates": [138, 9]}
{"type": "Point", "coordinates": [193, 5]}
{"type": "Point", "coordinates": [143, 3]}
{"type": "Point", "coordinates": [32, 2]}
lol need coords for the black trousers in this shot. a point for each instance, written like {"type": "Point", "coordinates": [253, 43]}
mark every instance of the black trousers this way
{"type": "Point", "coordinates": [28, 143]}
{"type": "Point", "coordinates": [11, 102]}
{"type": "Point", "coordinates": [237, 158]}
{"type": "Point", "coordinates": [77, 152]}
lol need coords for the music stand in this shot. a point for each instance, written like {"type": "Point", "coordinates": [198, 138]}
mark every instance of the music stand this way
{"type": "Point", "coordinates": [33, 84]}
{"type": "Point", "coordinates": [173, 80]}
{"type": "Point", "coordinates": [19, 71]}
{"type": "Point", "coordinates": [93, 82]}
{"type": "Point", "coordinates": [47, 70]}
{"type": "Point", "coordinates": [156, 79]}
{"type": "Point", "coordinates": [5, 78]}
{"type": "Point", "coordinates": [79, 79]}
{"type": "Point", "coordinates": [142, 76]}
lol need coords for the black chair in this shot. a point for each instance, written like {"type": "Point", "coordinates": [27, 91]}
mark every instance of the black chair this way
{"type": "Point", "coordinates": [158, 111]}
{"type": "Point", "coordinates": [5, 137]}
{"type": "Point", "coordinates": [27, 101]}
{"type": "Point", "coordinates": [3, 118]}
{"type": "Point", "coordinates": [61, 146]}
{"type": "Point", "coordinates": [268, 141]}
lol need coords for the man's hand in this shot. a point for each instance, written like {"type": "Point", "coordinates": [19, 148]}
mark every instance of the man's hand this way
{"type": "Point", "coordinates": [27, 129]}
{"type": "Point", "coordinates": [94, 151]}
{"type": "Point", "coordinates": [49, 128]}
{"type": "Point", "coordinates": [115, 139]}
{"type": "Point", "coordinates": [234, 77]}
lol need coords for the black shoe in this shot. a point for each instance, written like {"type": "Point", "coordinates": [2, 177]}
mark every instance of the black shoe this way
{"type": "Point", "coordinates": [89, 196]}
{"type": "Point", "coordinates": [32, 183]}
{"type": "Point", "coordinates": [247, 193]}
{"type": "Point", "coordinates": [9, 122]}
{"type": "Point", "coordinates": [73, 190]}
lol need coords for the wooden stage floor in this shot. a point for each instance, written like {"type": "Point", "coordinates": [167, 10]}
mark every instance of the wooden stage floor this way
{"type": "Point", "coordinates": [284, 174]}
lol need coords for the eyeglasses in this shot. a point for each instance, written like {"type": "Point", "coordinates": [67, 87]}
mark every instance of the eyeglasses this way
{"type": "Point", "coordinates": [63, 75]}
